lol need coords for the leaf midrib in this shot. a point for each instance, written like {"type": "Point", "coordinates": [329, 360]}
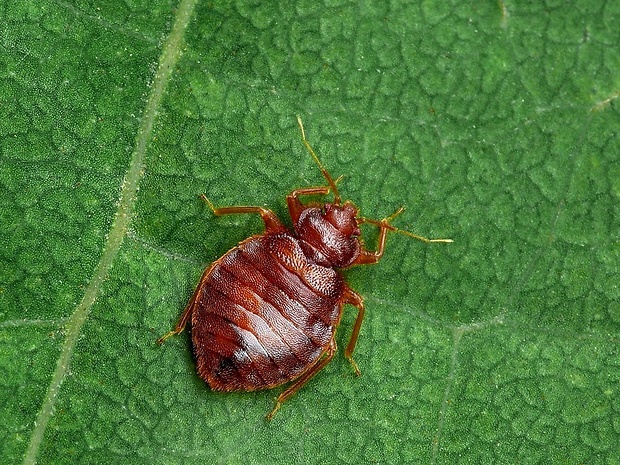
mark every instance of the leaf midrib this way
{"type": "Point", "coordinates": [171, 52]}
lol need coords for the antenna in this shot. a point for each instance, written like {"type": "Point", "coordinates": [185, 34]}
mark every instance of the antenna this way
{"type": "Point", "coordinates": [385, 223]}
{"type": "Point", "coordinates": [326, 175]}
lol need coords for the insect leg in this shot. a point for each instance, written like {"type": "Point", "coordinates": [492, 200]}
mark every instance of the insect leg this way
{"type": "Point", "coordinates": [185, 316]}
{"type": "Point", "coordinates": [187, 313]}
{"type": "Point", "coordinates": [303, 379]}
{"type": "Point", "coordinates": [353, 298]}
{"type": "Point", "coordinates": [368, 257]}
{"type": "Point", "coordinates": [272, 223]}
{"type": "Point", "coordinates": [295, 207]}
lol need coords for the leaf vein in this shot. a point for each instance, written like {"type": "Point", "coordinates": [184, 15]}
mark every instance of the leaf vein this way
{"type": "Point", "coordinates": [171, 51]}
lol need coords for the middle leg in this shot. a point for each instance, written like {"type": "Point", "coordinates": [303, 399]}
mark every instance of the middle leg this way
{"type": "Point", "coordinates": [353, 298]}
{"type": "Point", "coordinates": [272, 223]}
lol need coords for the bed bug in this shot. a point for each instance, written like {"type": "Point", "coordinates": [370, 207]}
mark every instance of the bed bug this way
{"type": "Point", "coordinates": [266, 313]}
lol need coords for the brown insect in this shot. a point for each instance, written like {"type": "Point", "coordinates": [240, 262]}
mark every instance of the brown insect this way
{"type": "Point", "coordinates": [266, 312]}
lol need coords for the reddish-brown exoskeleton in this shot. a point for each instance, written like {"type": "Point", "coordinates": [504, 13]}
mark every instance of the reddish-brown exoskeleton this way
{"type": "Point", "coordinates": [266, 312]}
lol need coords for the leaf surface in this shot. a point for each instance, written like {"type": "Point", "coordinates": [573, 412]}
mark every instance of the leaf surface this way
{"type": "Point", "coordinates": [495, 124]}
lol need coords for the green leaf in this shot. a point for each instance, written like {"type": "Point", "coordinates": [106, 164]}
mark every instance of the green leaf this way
{"type": "Point", "coordinates": [496, 125]}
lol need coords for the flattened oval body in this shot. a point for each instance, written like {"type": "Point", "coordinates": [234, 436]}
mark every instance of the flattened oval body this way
{"type": "Point", "coordinates": [266, 312]}
{"type": "Point", "coordinates": [263, 314]}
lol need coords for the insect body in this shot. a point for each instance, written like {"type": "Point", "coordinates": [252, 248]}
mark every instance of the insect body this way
{"type": "Point", "coordinates": [266, 312]}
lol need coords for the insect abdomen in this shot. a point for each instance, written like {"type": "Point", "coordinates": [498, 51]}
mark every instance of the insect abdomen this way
{"type": "Point", "coordinates": [259, 322]}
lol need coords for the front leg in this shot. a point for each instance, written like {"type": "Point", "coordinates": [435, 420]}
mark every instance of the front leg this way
{"type": "Point", "coordinates": [295, 207]}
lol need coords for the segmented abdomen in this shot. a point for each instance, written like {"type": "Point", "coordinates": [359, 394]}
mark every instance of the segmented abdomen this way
{"type": "Point", "coordinates": [263, 315]}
